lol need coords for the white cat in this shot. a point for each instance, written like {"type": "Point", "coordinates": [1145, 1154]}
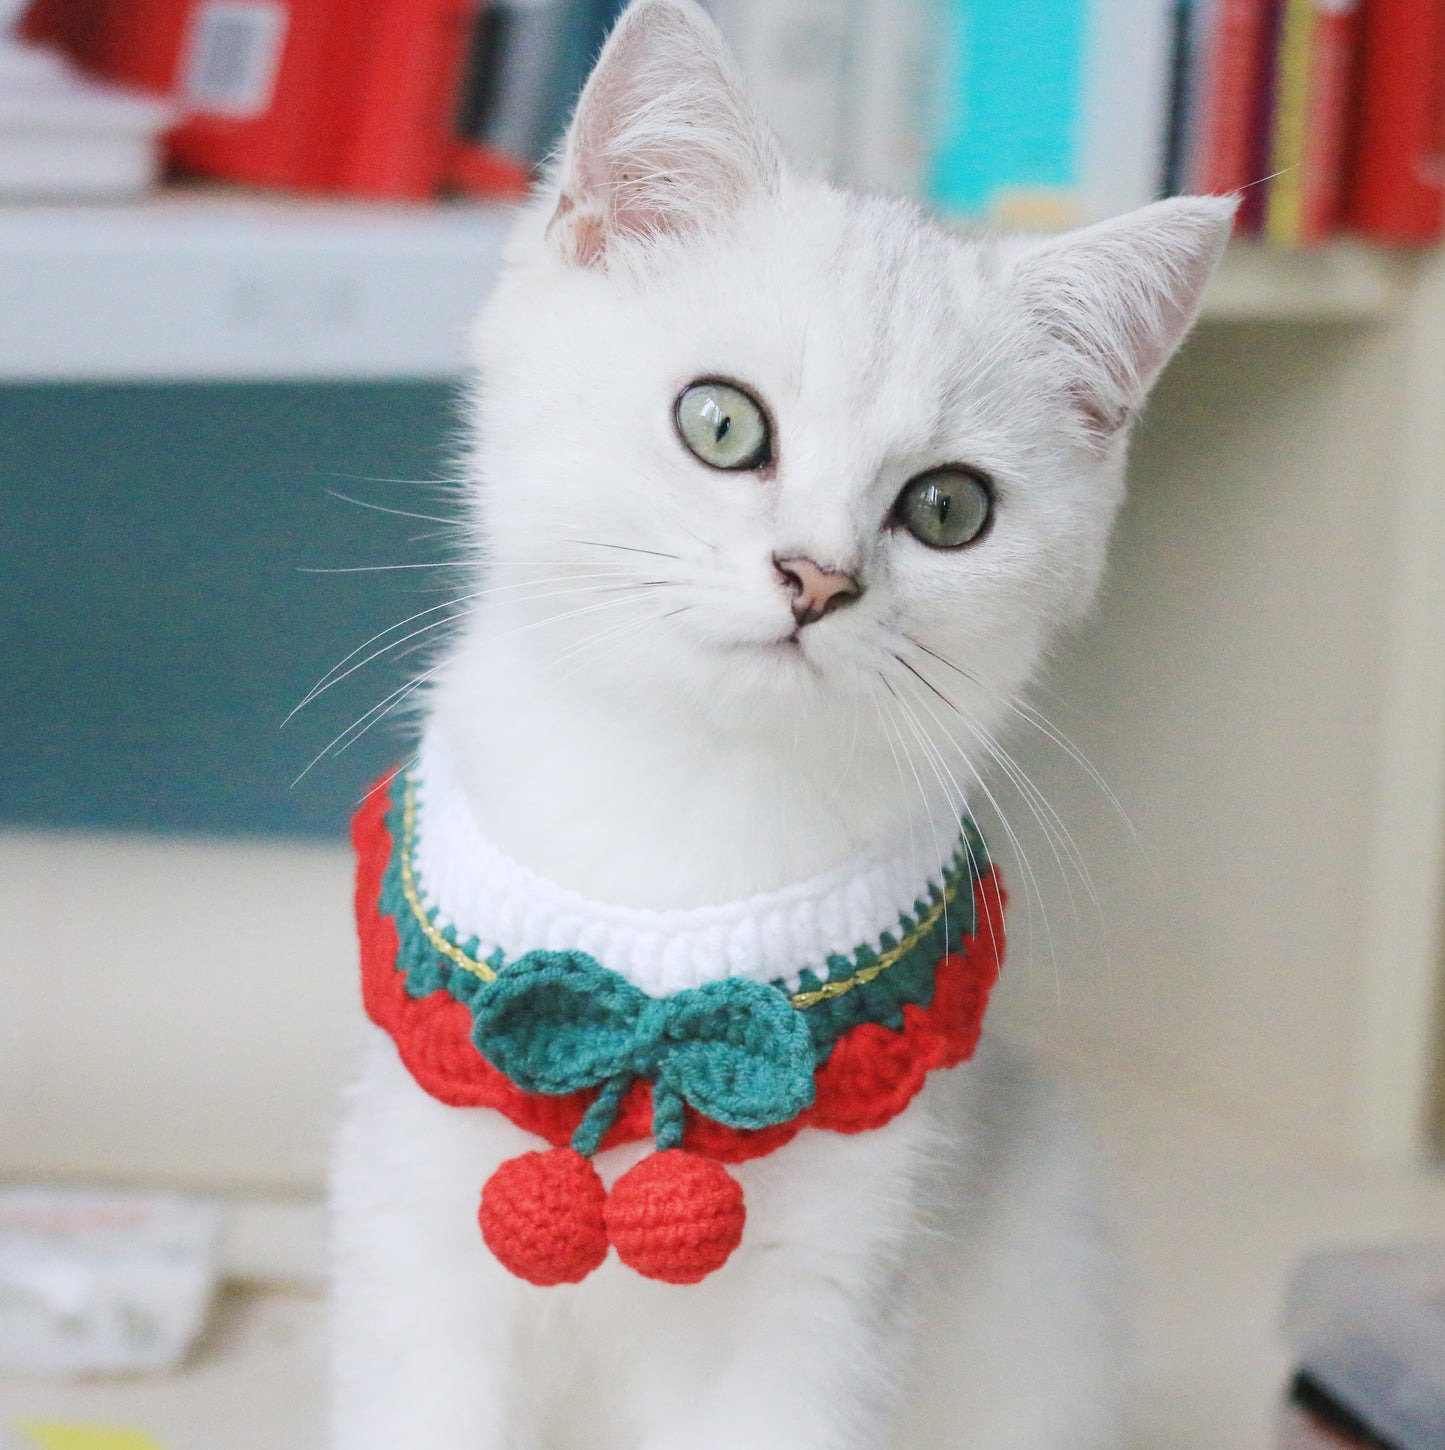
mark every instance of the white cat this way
{"type": "Point", "coordinates": [778, 494]}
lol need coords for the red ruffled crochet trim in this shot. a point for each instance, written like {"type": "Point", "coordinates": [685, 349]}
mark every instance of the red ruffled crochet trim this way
{"type": "Point", "coordinates": [872, 1074]}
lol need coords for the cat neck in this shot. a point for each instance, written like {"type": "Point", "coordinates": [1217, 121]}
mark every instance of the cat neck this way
{"type": "Point", "coordinates": [648, 806]}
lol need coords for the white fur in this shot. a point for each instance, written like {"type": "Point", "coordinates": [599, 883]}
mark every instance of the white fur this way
{"type": "Point", "coordinates": [638, 727]}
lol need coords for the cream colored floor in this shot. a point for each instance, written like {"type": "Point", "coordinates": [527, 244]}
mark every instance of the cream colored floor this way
{"type": "Point", "coordinates": [1212, 1218]}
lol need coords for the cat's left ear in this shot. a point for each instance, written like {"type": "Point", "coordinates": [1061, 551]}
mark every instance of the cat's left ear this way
{"type": "Point", "coordinates": [665, 139]}
{"type": "Point", "coordinates": [1118, 297]}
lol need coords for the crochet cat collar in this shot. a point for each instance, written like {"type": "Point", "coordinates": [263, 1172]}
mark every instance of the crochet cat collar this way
{"type": "Point", "coordinates": [616, 1025]}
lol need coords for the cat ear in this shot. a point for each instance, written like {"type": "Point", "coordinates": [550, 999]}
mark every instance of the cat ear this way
{"type": "Point", "coordinates": [665, 139]}
{"type": "Point", "coordinates": [1120, 296]}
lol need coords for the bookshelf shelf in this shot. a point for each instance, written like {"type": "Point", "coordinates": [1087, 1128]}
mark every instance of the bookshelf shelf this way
{"type": "Point", "coordinates": [211, 286]}
{"type": "Point", "coordinates": [198, 286]}
{"type": "Point", "coordinates": [1344, 282]}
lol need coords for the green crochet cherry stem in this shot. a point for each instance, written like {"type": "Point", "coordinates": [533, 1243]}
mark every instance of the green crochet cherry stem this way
{"type": "Point", "coordinates": [667, 1117]}
{"type": "Point", "coordinates": [601, 1115]}
{"type": "Point", "coordinates": [734, 1050]}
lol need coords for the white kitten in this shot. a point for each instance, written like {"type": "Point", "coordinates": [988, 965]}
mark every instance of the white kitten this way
{"type": "Point", "coordinates": [726, 678]}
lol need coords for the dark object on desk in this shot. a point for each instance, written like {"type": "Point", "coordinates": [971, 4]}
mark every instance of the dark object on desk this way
{"type": "Point", "coordinates": [1315, 1420]}
{"type": "Point", "coordinates": [1367, 1327]}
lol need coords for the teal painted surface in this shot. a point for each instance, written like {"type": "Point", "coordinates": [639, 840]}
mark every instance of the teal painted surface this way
{"type": "Point", "coordinates": [1011, 100]}
{"type": "Point", "coordinates": [155, 625]}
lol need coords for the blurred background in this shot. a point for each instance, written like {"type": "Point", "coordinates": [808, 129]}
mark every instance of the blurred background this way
{"type": "Point", "coordinates": [240, 245]}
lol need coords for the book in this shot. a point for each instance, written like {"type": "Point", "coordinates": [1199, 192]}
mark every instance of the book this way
{"type": "Point", "coordinates": [1229, 66]}
{"type": "Point", "coordinates": [401, 108]}
{"type": "Point", "coordinates": [1315, 69]}
{"type": "Point", "coordinates": [888, 89]}
{"type": "Point", "coordinates": [64, 135]}
{"type": "Point", "coordinates": [1395, 186]}
{"type": "Point", "coordinates": [1250, 218]}
{"type": "Point", "coordinates": [1186, 26]}
{"type": "Point", "coordinates": [1052, 112]}
{"type": "Point", "coordinates": [257, 81]}
{"type": "Point", "coordinates": [795, 55]}
{"type": "Point", "coordinates": [1367, 1329]}
{"type": "Point", "coordinates": [526, 64]}
{"type": "Point", "coordinates": [341, 96]}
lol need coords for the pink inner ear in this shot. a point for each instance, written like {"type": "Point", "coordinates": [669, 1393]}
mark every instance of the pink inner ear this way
{"type": "Point", "coordinates": [1102, 419]}
{"type": "Point", "coordinates": [664, 140]}
{"type": "Point", "coordinates": [579, 233]}
{"type": "Point", "coordinates": [588, 240]}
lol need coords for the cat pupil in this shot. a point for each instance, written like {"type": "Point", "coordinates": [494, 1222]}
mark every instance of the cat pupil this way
{"type": "Point", "coordinates": [721, 421]}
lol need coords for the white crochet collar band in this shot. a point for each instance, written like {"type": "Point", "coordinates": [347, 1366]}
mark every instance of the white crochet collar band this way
{"type": "Point", "coordinates": [469, 884]}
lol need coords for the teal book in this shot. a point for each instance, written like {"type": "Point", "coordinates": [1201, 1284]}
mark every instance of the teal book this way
{"type": "Point", "coordinates": [1049, 113]}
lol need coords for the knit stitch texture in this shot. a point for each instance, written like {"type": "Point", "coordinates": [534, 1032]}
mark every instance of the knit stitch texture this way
{"type": "Point", "coordinates": [722, 1072]}
{"type": "Point", "coordinates": [875, 1045]}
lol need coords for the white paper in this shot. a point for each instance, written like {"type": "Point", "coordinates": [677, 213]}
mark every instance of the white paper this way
{"type": "Point", "coordinates": [100, 1282]}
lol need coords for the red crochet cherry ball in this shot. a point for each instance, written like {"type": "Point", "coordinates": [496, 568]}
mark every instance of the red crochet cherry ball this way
{"type": "Point", "coordinates": [675, 1216]}
{"type": "Point", "coordinates": [541, 1216]}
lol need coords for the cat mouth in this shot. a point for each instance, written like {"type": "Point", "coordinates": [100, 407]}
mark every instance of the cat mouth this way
{"type": "Point", "coordinates": [789, 646]}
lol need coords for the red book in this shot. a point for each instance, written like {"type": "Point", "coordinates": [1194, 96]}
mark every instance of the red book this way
{"type": "Point", "coordinates": [138, 44]}
{"type": "Point", "coordinates": [256, 79]}
{"type": "Point", "coordinates": [1396, 175]}
{"type": "Point", "coordinates": [403, 106]}
{"type": "Point", "coordinates": [347, 96]}
{"type": "Point", "coordinates": [1234, 60]}
{"type": "Point", "coordinates": [247, 73]}
{"type": "Point", "coordinates": [1334, 69]}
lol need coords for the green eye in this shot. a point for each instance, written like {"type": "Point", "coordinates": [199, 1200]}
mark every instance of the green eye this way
{"type": "Point", "coordinates": [723, 426]}
{"type": "Point", "coordinates": [945, 508]}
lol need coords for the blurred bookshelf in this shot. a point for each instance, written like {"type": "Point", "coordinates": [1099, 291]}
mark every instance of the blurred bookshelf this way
{"type": "Point", "coordinates": [203, 284]}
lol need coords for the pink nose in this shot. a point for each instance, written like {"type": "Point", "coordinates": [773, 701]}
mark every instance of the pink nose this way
{"type": "Point", "coordinates": [816, 591]}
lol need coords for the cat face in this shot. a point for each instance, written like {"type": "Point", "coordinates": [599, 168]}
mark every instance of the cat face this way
{"type": "Point", "coordinates": [769, 450]}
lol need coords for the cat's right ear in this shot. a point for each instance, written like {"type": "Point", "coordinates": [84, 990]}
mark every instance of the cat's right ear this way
{"type": "Point", "coordinates": [665, 139]}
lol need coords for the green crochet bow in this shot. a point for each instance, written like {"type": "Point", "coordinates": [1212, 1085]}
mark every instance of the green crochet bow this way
{"type": "Point", "coordinates": [735, 1050]}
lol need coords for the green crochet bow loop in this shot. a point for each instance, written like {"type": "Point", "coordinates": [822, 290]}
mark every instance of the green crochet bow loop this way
{"type": "Point", "coordinates": [735, 1050]}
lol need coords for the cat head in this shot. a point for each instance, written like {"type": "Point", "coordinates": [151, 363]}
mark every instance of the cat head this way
{"type": "Point", "coordinates": [754, 447]}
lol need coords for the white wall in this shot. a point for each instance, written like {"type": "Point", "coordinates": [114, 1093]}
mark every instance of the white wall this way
{"type": "Point", "coordinates": [1235, 692]}
{"type": "Point", "coordinates": [178, 1011]}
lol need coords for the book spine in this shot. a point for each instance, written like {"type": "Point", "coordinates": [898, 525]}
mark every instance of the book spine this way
{"type": "Point", "coordinates": [250, 72]}
{"type": "Point", "coordinates": [1005, 148]}
{"type": "Point", "coordinates": [795, 56]}
{"type": "Point", "coordinates": [1312, 107]}
{"type": "Point", "coordinates": [584, 34]}
{"type": "Point", "coordinates": [1186, 25]}
{"type": "Point", "coordinates": [891, 85]}
{"type": "Point", "coordinates": [1284, 204]}
{"type": "Point", "coordinates": [1125, 119]}
{"type": "Point", "coordinates": [404, 100]}
{"type": "Point", "coordinates": [1232, 58]}
{"type": "Point", "coordinates": [1332, 77]}
{"type": "Point", "coordinates": [508, 106]}
{"type": "Point", "coordinates": [1395, 191]}
{"type": "Point", "coordinates": [1250, 219]}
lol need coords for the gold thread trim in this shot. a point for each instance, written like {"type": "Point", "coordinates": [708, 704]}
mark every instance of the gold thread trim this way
{"type": "Point", "coordinates": [800, 1000]}
{"type": "Point", "coordinates": [803, 1000]}
{"type": "Point", "coordinates": [449, 950]}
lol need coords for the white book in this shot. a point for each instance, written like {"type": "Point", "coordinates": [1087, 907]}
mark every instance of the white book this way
{"type": "Point", "coordinates": [795, 56]}
{"type": "Point", "coordinates": [63, 135]}
{"type": "Point", "coordinates": [1126, 105]}
{"type": "Point", "coordinates": [889, 91]}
